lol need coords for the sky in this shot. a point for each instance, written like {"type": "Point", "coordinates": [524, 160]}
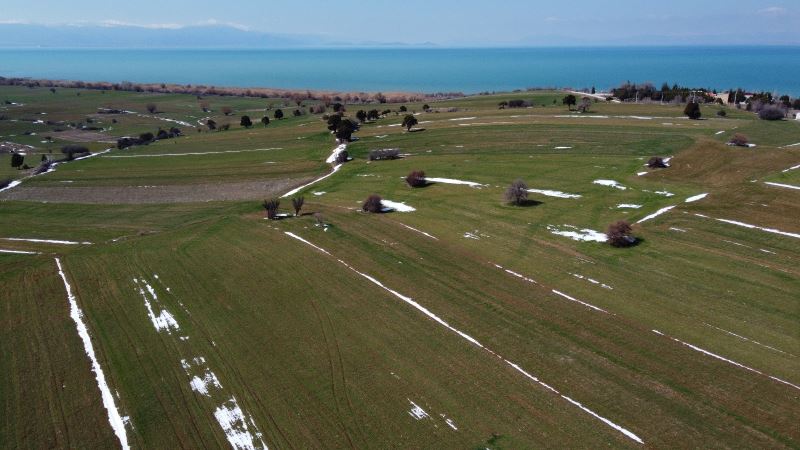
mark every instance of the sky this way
{"type": "Point", "coordinates": [448, 22]}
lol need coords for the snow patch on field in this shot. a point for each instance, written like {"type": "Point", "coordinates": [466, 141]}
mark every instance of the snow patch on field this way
{"type": "Point", "coordinates": [462, 118]}
{"type": "Point", "coordinates": [157, 155]}
{"type": "Point", "coordinates": [114, 418]}
{"type": "Point", "coordinates": [585, 234]}
{"type": "Point", "coordinates": [563, 148]}
{"type": "Point", "coordinates": [520, 276]}
{"type": "Point", "coordinates": [729, 361]}
{"type": "Point", "coordinates": [696, 198]}
{"type": "Point", "coordinates": [793, 167]}
{"type": "Point", "coordinates": [610, 183]}
{"type": "Point", "coordinates": [47, 241]}
{"type": "Point", "coordinates": [628, 206]}
{"type": "Point", "coordinates": [11, 185]}
{"type": "Point", "coordinates": [389, 205]}
{"type": "Point", "coordinates": [452, 181]}
{"type": "Point", "coordinates": [201, 385]}
{"type": "Point", "coordinates": [655, 214]}
{"type": "Point", "coordinates": [747, 339]}
{"type": "Point", "coordinates": [788, 186]}
{"type": "Point", "coordinates": [234, 423]}
{"type": "Point", "coordinates": [473, 341]}
{"type": "Point", "coordinates": [549, 193]}
{"type": "Point", "coordinates": [417, 412]}
{"type": "Point", "coordinates": [754, 227]}
{"type": "Point", "coordinates": [335, 153]}
{"type": "Point", "coordinates": [572, 299]}
{"type": "Point", "coordinates": [164, 321]}
{"type": "Point", "coordinates": [591, 280]}
{"type": "Point", "coordinates": [19, 252]}
{"type": "Point", "coordinates": [419, 231]}
{"type": "Point", "coordinates": [296, 190]}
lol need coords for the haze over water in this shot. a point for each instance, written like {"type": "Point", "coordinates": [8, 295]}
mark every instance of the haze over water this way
{"type": "Point", "coordinates": [774, 69]}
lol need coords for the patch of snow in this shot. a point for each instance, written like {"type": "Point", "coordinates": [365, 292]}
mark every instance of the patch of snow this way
{"type": "Point", "coordinates": [549, 193]}
{"type": "Point", "coordinates": [47, 241]}
{"type": "Point", "coordinates": [417, 412]}
{"type": "Point", "coordinates": [158, 155]}
{"type": "Point", "coordinates": [382, 136]}
{"type": "Point", "coordinates": [628, 206]}
{"type": "Point", "coordinates": [19, 252]}
{"type": "Point", "coordinates": [754, 227]}
{"type": "Point", "coordinates": [585, 235]}
{"type": "Point", "coordinates": [164, 321]}
{"type": "Point", "coordinates": [472, 340]}
{"type": "Point", "coordinates": [114, 418]}
{"type": "Point", "coordinates": [201, 385]}
{"type": "Point", "coordinates": [664, 193]}
{"type": "Point", "coordinates": [335, 153]}
{"type": "Point", "coordinates": [452, 181]}
{"type": "Point", "coordinates": [680, 230]}
{"type": "Point", "coordinates": [610, 183]}
{"type": "Point", "coordinates": [11, 185]}
{"type": "Point", "coordinates": [593, 281]}
{"type": "Point", "coordinates": [520, 276]}
{"type": "Point", "coordinates": [722, 358]}
{"type": "Point", "coordinates": [449, 422]}
{"type": "Point", "coordinates": [656, 214]}
{"type": "Point", "coordinates": [788, 186]}
{"type": "Point", "coordinates": [640, 174]}
{"type": "Point", "coordinates": [462, 118]}
{"type": "Point", "coordinates": [719, 132]}
{"type": "Point", "coordinates": [793, 167]}
{"type": "Point", "coordinates": [319, 193]}
{"type": "Point", "coordinates": [696, 198]}
{"type": "Point", "coordinates": [747, 339]}
{"type": "Point", "coordinates": [572, 299]}
{"type": "Point", "coordinates": [389, 205]}
{"type": "Point", "coordinates": [296, 190]}
{"type": "Point", "coordinates": [563, 148]}
{"type": "Point", "coordinates": [234, 423]}
{"type": "Point", "coordinates": [469, 235]}
{"type": "Point", "coordinates": [419, 231]}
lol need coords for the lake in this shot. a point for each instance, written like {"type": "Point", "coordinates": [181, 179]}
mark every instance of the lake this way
{"type": "Point", "coordinates": [421, 70]}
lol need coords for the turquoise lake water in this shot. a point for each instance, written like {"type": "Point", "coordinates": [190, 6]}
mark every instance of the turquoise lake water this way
{"type": "Point", "coordinates": [422, 70]}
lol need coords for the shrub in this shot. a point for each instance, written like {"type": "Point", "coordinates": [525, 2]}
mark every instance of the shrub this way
{"type": "Point", "coordinates": [151, 108]}
{"type": "Point", "coordinates": [403, 108]}
{"type": "Point", "coordinates": [225, 127]}
{"type": "Point", "coordinates": [271, 206]}
{"type": "Point", "coordinates": [227, 110]}
{"type": "Point", "coordinates": [161, 134]}
{"type": "Point", "coordinates": [246, 122]}
{"type": "Point", "coordinates": [373, 204]}
{"type": "Point", "coordinates": [212, 124]}
{"type": "Point", "coordinates": [361, 115]}
{"type": "Point", "coordinates": [722, 113]}
{"type": "Point", "coordinates": [278, 114]}
{"type": "Point", "coordinates": [297, 113]}
{"type": "Point", "coordinates": [656, 162]}
{"type": "Point", "coordinates": [740, 140]}
{"type": "Point", "coordinates": [146, 138]}
{"type": "Point", "coordinates": [342, 157]}
{"type": "Point", "coordinates": [125, 142]}
{"type": "Point", "coordinates": [516, 103]}
{"type": "Point", "coordinates": [569, 100]}
{"type": "Point", "coordinates": [297, 204]}
{"type": "Point", "coordinates": [416, 179]}
{"type": "Point", "coordinates": [5, 182]}
{"type": "Point", "coordinates": [619, 234]}
{"type": "Point", "coordinates": [772, 112]}
{"type": "Point", "coordinates": [692, 111]}
{"type": "Point", "coordinates": [265, 121]}
{"type": "Point", "coordinates": [43, 167]}
{"type": "Point", "coordinates": [387, 153]}
{"type": "Point", "coordinates": [373, 114]}
{"type": "Point", "coordinates": [517, 193]}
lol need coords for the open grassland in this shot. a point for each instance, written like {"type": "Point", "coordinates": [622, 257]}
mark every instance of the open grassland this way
{"type": "Point", "coordinates": [467, 323]}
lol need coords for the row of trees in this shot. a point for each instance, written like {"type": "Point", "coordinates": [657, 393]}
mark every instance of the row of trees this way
{"type": "Point", "coordinates": [632, 91]}
{"type": "Point", "coordinates": [70, 152]}
{"type": "Point", "coordinates": [148, 137]}
{"type": "Point", "coordinates": [271, 206]}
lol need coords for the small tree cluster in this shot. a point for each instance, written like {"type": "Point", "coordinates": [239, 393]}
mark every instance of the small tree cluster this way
{"type": "Point", "coordinates": [271, 206]}
{"type": "Point", "coordinates": [373, 204]}
{"type": "Point", "coordinates": [71, 150]}
{"type": "Point", "coordinates": [416, 179]}
{"type": "Point", "coordinates": [17, 160]}
{"type": "Point", "coordinates": [656, 162]}
{"type": "Point", "coordinates": [383, 154]}
{"type": "Point", "coordinates": [517, 193]}
{"type": "Point", "coordinates": [619, 234]}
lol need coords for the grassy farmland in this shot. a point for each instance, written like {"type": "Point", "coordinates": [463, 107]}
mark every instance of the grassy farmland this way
{"type": "Point", "coordinates": [467, 323]}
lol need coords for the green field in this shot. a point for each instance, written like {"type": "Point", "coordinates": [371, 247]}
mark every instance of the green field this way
{"type": "Point", "coordinates": [467, 323]}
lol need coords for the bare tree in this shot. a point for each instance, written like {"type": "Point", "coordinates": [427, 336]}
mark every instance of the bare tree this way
{"type": "Point", "coordinates": [297, 203]}
{"type": "Point", "coordinates": [151, 108]}
{"type": "Point", "coordinates": [586, 102]}
{"type": "Point", "coordinates": [517, 193]}
{"type": "Point", "coordinates": [373, 204]}
{"type": "Point", "coordinates": [227, 110]}
{"type": "Point", "coordinates": [619, 234]}
{"type": "Point", "coordinates": [271, 206]}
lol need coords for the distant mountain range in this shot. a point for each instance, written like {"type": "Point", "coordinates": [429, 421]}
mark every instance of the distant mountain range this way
{"type": "Point", "coordinates": [18, 35]}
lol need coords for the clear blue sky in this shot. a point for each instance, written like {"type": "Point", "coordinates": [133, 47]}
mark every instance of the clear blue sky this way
{"type": "Point", "coordinates": [448, 22]}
